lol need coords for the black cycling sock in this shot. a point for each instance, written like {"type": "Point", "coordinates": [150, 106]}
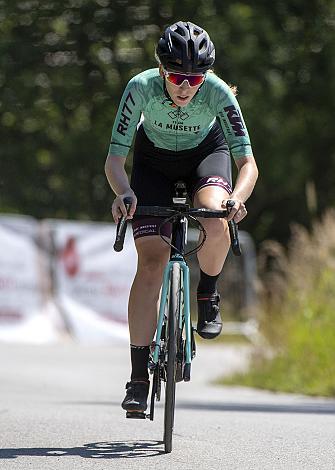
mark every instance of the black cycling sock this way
{"type": "Point", "coordinates": [207, 283]}
{"type": "Point", "coordinates": [139, 362]}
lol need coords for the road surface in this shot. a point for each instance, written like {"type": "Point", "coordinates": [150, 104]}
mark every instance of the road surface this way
{"type": "Point", "coordinates": [60, 409]}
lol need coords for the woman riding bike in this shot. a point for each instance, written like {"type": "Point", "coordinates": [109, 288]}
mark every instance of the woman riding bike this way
{"type": "Point", "coordinates": [188, 125]}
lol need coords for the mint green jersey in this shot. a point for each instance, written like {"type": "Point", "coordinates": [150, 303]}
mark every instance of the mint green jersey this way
{"type": "Point", "coordinates": [178, 128]}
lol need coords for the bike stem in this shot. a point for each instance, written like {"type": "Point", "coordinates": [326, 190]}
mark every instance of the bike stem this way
{"type": "Point", "coordinates": [179, 232]}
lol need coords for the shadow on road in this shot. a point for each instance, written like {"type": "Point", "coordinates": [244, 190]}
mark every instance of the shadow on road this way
{"type": "Point", "coordinates": [96, 450]}
{"type": "Point", "coordinates": [301, 408]}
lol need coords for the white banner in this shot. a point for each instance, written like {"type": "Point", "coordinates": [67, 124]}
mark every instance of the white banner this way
{"type": "Point", "coordinates": [26, 313]}
{"type": "Point", "coordinates": [92, 281]}
{"type": "Point", "coordinates": [64, 278]}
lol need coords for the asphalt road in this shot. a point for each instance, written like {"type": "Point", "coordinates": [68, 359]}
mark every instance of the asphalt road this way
{"type": "Point", "coordinates": [60, 409]}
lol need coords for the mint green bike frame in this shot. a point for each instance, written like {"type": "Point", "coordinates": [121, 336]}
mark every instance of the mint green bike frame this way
{"type": "Point", "coordinates": [185, 314]}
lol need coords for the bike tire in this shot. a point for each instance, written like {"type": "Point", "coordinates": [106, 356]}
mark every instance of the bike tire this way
{"type": "Point", "coordinates": [172, 324]}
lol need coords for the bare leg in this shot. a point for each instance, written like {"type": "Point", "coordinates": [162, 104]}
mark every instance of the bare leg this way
{"type": "Point", "coordinates": [214, 252]}
{"type": "Point", "coordinates": [211, 259]}
{"type": "Point", "coordinates": [153, 255]}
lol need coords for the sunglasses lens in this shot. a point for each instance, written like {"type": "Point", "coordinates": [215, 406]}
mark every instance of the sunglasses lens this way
{"type": "Point", "coordinates": [178, 79]}
{"type": "Point", "coordinates": [195, 80]}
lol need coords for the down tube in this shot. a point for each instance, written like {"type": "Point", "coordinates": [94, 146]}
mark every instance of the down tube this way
{"type": "Point", "coordinates": [162, 306]}
{"type": "Point", "coordinates": [187, 313]}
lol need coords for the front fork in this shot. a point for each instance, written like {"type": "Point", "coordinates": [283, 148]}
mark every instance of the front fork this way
{"type": "Point", "coordinates": [185, 315]}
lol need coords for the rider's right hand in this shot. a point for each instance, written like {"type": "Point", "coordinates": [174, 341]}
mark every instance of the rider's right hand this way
{"type": "Point", "coordinates": [118, 207]}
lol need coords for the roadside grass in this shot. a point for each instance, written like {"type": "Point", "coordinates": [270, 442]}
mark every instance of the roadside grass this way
{"type": "Point", "coordinates": [297, 316]}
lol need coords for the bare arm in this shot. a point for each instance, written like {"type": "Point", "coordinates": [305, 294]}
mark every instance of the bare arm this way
{"type": "Point", "coordinates": [119, 182]}
{"type": "Point", "coordinates": [246, 180]}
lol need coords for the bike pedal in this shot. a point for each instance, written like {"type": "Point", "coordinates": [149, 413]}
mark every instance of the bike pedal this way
{"type": "Point", "coordinates": [136, 415]}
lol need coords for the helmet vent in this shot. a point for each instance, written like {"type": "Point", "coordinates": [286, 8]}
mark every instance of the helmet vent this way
{"type": "Point", "coordinates": [175, 43]}
{"type": "Point", "coordinates": [190, 49]}
{"type": "Point", "coordinates": [203, 46]}
{"type": "Point", "coordinates": [180, 31]}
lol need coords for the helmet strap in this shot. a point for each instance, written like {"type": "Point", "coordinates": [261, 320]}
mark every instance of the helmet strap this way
{"type": "Point", "coordinates": [199, 88]}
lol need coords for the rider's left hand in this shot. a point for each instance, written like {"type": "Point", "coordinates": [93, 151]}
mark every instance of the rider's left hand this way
{"type": "Point", "coordinates": [237, 212]}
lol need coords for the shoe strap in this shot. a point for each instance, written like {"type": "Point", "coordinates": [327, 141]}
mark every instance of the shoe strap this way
{"type": "Point", "coordinates": [214, 297]}
{"type": "Point", "coordinates": [134, 382]}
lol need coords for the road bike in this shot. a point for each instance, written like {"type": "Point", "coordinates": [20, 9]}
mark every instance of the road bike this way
{"type": "Point", "coordinates": [174, 346]}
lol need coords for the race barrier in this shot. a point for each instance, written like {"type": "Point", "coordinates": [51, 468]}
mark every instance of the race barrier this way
{"type": "Point", "coordinates": [91, 283]}
{"type": "Point", "coordinates": [26, 311]}
{"type": "Point", "coordinates": [62, 278]}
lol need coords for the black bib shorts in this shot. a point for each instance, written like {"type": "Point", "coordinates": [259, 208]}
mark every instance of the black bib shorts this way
{"type": "Point", "coordinates": [156, 170]}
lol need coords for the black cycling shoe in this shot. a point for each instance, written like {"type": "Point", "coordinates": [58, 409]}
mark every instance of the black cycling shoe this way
{"type": "Point", "coordinates": [209, 320]}
{"type": "Point", "coordinates": [136, 396]}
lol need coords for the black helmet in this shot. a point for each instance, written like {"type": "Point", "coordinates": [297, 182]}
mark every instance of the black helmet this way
{"type": "Point", "coordinates": [185, 47]}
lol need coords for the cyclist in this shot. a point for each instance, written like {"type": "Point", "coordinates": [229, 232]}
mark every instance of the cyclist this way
{"type": "Point", "coordinates": [188, 124]}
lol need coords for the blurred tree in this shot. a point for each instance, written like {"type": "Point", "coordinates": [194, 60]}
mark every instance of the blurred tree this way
{"type": "Point", "coordinates": [64, 64]}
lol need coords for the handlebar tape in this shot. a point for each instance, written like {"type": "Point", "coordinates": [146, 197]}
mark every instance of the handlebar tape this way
{"type": "Point", "coordinates": [122, 226]}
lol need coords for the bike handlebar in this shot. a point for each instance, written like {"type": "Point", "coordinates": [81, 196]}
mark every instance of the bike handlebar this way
{"type": "Point", "coordinates": [159, 211]}
{"type": "Point", "coordinates": [122, 227]}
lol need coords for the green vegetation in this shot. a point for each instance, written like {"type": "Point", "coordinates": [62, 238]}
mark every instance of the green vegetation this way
{"type": "Point", "coordinates": [65, 63]}
{"type": "Point", "coordinates": [298, 318]}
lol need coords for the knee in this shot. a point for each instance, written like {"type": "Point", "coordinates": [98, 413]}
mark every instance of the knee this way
{"type": "Point", "coordinates": [216, 229]}
{"type": "Point", "coordinates": [151, 267]}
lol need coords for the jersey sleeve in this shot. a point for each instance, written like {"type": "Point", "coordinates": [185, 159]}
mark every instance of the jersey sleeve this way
{"type": "Point", "coordinates": [232, 122]}
{"type": "Point", "coordinates": [127, 118]}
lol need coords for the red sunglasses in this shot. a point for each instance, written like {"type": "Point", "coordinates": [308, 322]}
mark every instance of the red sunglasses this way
{"type": "Point", "coordinates": [179, 78]}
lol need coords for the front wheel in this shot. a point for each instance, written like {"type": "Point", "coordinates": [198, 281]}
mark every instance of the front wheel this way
{"type": "Point", "coordinates": [172, 324]}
